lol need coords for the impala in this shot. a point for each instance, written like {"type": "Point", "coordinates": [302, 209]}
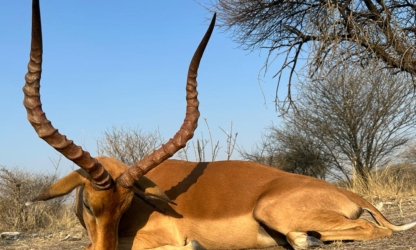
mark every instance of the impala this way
{"type": "Point", "coordinates": [229, 204]}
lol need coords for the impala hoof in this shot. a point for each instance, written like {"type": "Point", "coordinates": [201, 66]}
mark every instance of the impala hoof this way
{"type": "Point", "coordinates": [301, 240]}
{"type": "Point", "coordinates": [313, 242]}
{"type": "Point", "coordinates": [195, 245]}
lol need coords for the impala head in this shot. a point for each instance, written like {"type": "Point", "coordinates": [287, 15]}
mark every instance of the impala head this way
{"type": "Point", "coordinates": [107, 185]}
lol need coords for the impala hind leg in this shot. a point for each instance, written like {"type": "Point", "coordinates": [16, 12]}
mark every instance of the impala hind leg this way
{"type": "Point", "coordinates": [359, 229]}
{"type": "Point", "coordinates": [303, 228]}
{"type": "Point", "coordinates": [342, 229]}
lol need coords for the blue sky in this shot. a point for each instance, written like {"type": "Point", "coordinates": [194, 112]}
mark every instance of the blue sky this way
{"type": "Point", "coordinates": [124, 63]}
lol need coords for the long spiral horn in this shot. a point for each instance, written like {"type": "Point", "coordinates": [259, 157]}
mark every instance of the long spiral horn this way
{"type": "Point", "coordinates": [186, 131]}
{"type": "Point", "coordinates": [100, 178]}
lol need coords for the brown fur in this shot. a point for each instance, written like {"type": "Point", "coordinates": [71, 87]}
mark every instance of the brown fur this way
{"type": "Point", "coordinates": [229, 204]}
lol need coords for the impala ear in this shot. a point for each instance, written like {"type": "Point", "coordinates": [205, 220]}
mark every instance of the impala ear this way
{"type": "Point", "coordinates": [62, 187]}
{"type": "Point", "coordinates": [148, 190]}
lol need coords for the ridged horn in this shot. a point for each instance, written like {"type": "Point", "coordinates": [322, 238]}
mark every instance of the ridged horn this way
{"type": "Point", "coordinates": [186, 131]}
{"type": "Point", "coordinates": [100, 178]}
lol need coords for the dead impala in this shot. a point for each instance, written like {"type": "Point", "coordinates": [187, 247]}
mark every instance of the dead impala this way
{"type": "Point", "coordinates": [229, 204]}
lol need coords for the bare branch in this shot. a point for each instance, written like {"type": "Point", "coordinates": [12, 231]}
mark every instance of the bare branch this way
{"type": "Point", "coordinates": [333, 31]}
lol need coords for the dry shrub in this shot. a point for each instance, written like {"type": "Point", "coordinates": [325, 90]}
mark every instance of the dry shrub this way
{"type": "Point", "coordinates": [128, 144]}
{"type": "Point", "coordinates": [16, 188]}
{"type": "Point", "coordinates": [396, 180]}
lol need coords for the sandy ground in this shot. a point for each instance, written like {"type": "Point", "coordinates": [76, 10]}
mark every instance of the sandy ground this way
{"type": "Point", "coordinates": [397, 210]}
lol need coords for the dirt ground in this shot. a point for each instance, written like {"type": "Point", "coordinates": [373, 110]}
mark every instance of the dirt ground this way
{"type": "Point", "coordinates": [397, 210]}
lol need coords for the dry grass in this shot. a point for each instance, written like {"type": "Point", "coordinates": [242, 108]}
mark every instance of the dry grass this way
{"type": "Point", "coordinates": [392, 181]}
{"type": "Point", "coordinates": [44, 225]}
{"type": "Point", "coordinates": [16, 188]}
{"type": "Point", "coordinates": [63, 232]}
{"type": "Point", "coordinates": [59, 237]}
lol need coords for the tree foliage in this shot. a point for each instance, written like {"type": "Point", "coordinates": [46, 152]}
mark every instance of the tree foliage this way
{"type": "Point", "coordinates": [290, 150]}
{"type": "Point", "coordinates": [358, 117]}
{"type": "Point", "coordinates": [331, 31]}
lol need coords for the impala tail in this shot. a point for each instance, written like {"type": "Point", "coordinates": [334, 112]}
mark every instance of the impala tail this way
{"type": "Point", "coordinates": [381, 220]}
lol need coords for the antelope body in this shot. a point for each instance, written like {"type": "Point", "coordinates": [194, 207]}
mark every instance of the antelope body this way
{"type": "Point", "coordinates": [217, 205]}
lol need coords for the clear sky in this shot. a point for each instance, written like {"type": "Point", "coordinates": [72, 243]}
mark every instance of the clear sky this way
{"type": "Point", "coordinates": [124, 63]}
